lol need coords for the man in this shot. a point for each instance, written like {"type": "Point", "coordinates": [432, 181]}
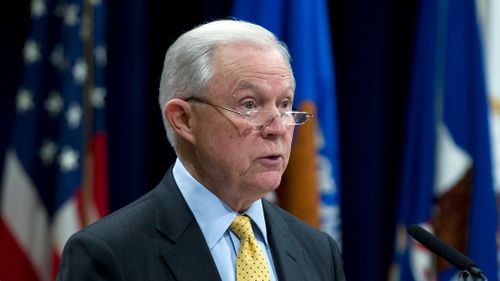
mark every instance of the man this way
{"type": "Point", "coordinates": [226, 94]}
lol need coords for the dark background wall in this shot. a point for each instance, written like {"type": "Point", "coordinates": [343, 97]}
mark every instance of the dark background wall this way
{"type": "Point", "coordinates": [372, 43]}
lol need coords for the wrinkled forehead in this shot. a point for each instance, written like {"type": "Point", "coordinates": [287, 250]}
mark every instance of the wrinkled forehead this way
{"type": "Point", "coordinates": [237, 60]}
{"type": "Point", "coordinates": [226, 53]}
{"type": "Point", "coordinates": [242, 70]}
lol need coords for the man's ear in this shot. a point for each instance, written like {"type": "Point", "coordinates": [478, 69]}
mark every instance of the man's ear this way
{"type": "Point", "coordinates": [179, 115]}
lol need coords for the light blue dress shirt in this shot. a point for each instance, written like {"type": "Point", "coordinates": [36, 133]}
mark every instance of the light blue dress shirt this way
{"type": "Point", "coordinates": [214, 217]}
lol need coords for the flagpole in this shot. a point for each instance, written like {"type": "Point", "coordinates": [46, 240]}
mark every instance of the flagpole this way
{"type": "Point", "coordinates": [87, 181]}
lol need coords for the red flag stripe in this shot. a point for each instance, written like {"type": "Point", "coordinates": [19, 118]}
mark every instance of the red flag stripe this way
{"type": "Point", "coordinates": [15, 264]}
{"type": "Point", "coordinates": [100, 186]}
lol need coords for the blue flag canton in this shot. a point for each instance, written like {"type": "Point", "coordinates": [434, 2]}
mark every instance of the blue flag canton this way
{"type": "Point", "coordinates": [48, 134]}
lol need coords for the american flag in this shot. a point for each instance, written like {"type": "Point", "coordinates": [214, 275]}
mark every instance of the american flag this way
{"type": "Point", "coordinates": [55, 177]}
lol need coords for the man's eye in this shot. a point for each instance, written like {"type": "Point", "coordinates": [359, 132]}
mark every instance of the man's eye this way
{"type": "Point", "coordinates": [285, 104]}
{"type": "Point", "coordinates": [249, 105]}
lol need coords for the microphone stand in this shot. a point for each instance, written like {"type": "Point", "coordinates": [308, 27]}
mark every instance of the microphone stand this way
{"type": "Point", "coordinates": [468, 270]}
{"type": "Point", "coordinates": [465, 275]}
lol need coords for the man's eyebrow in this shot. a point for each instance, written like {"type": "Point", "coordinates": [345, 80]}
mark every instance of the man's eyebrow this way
{"type": "Point", "coordinates": [245, 85]}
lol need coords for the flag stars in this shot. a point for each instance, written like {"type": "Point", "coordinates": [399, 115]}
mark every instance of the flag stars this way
{"type": "Point", "coordinates": [38, 8]}
{"type": "Point", "coordinates": [80, 71]}
{"type": "Point", "coordinates": [47, 152]}
{"type": "Point", "coordinates": [54, 104]}
{"type": "Point", "coordinates": [71, 14]}
{"type": "Point", "coordinates": [95, 2]}
{"type": "Point", "coordinates": [31, 51]}
{"type": "Point", "coordinates": [100, 55]}
{"type": "Point", "coordinates": [24, 100]}
{"type": "Point", "coordinates": [74, 116]}
{"type": "Point", "coordinates": [98, 96]}
{"type": "Point", "coordinates": [57, 57]}
{"type": "Point", "coordinates": [68, 159]}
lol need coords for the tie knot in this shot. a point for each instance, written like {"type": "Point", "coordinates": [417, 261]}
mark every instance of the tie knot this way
{"type": "Point", "coordinates": [242, 227]}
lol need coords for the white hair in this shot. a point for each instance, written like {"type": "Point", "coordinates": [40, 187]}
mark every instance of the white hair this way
{"type": "Point", "coordinates": [187, 68]}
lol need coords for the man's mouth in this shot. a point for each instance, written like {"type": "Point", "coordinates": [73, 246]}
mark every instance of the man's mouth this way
{"type": "Point", "coordinates": [272, 157]}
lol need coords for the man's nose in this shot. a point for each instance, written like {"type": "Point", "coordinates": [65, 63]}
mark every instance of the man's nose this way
{"type": "Point", "coordinates": [275, 126]}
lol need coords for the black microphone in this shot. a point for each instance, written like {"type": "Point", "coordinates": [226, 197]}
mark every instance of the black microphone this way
{"type": "Point", "coordinates": [445, 251]}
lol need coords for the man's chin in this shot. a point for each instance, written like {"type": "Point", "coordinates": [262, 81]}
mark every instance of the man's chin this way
{"type": "Point", "coordinates": [269, 181]}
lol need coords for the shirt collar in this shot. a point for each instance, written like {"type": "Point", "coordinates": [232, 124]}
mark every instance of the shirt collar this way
{"type": "Point", "coordinates": [212, 214]}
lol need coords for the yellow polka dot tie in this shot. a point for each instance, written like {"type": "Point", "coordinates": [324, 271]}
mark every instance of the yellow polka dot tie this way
{"type": "Point", "coordinates": [250, 262]}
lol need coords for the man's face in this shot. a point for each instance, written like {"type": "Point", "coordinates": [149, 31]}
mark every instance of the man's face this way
{"type": "Point", "coordinates": [238, 161]}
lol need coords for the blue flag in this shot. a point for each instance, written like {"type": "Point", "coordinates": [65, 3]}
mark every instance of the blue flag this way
{"type": "Point", "coordinates": [447, 177]}
{"type": "Point", "coordinates": [310, 185]}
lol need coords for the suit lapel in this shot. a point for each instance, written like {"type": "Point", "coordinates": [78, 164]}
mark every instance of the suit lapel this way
{"type": "Point", "coordinates": [190, 259]}
{"type": "Point", "coordinates": [187, 254]}
{"type": "Point", "coordinates": [286, 254]}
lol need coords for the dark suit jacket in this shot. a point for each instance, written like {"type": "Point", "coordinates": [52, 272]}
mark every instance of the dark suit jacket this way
{"type": "Point", "coordinates": [158, 238]}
